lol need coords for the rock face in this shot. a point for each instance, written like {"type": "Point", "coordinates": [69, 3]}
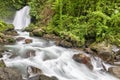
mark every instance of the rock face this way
{"type": "Point", "coordinates": [82, 58]}
{"type": "Point", "coordinates": [9, 74]}
{"type": "Point", "coordinates": [115, 71]}
{"type": "Point", "coordinates": [27, 41]}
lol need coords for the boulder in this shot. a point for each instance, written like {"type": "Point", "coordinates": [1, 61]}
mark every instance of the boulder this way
{"type": "Point", "coordinates": [30, 53]}
{"type": "Point", "coordinates": [57, 40]}
{"type": "Point", "coordinates": [38, 75]}
{"type": "Point", "coordinates": [27, 41]}
{"type": "Point", "coordinates": [38, 32]}
{"type": "Point", "coordinates": [20, 38]}
{"type": "Point", "coordinates": [9, 40]}
{"type": "Point", "coordinates": [51, 36]}
{"type": "Point", "coordinates": [33, 70]}
{"type": "Point", "coordinates": [11, 32]}
{"type": "Point", "coordinates": [82, 58]}
{"type": "Point", "coordinates": [44, 77]}
{"type": "Point", "coordinates": [115, 71]}
{"type": "Point", "coordinates": [6, 39]}
{"type": "Point", "coordinates": [65, 43]}
{"type": "Point", "coordinates": [9, 74]}
{"type": "Point", "coordinates": [104, 51]}
{"type": "Point", "coordinates": [89, 51]}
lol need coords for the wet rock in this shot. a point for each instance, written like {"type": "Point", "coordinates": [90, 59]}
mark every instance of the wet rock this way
{"type": "Point", "coordinates": [82, 58]}
{"type": "Point", "coordinates": [51, 36]}
{"type": "Point", "coordinates": [27, 41]}
{"type": "Point", "coordinates": [115, 71]}
{"type": "Point", "coordinates": [117, 63]}
{"type": "Point", "coordinates": [117, 57]}
{"type": "Point", "coordinates": [57, 40]}
{"type": "Point", "coordinates": [9, 40]}
{"type": "Point", "coordinates": [20, 38]}
{"type": "Point", "coordinates": [89, 51]}
{"type": "Point", "coordinates": [38, 75]}
{"type": "Point", "coordinates": [44, 77]}
{"type": "Point", "coordinates": [64, 43]}
{"type": "Point", "coordinates": [11, 32]}
{"type": "Point", "coordinates": [30, 53]}
{"type": "Point", "coordinates": [104, 51]}
{"type": "Point", "coordinates": [9, 74]}
{"type": "Point", "coordinates": [38, 32]}
{"type": "Point", "coordinates": [6, 39]}
{"type": "Point", "coordinates": [33, 70]}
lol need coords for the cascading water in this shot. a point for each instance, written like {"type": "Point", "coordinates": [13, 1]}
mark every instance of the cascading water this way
{"type": "Point", "coordinates": [51, 59]}
{"type": "Point", "coordinates": [22, 18]}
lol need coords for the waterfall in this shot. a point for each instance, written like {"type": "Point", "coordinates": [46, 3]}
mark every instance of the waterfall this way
{"type": "Point", "coordinates": [22, 18]}
{"type": "Point", "coordinates": [51, 59]}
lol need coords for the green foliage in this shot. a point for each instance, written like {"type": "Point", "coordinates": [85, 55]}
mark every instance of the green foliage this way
{"type": "Point", "coordinates": [80, 20]}
{"type": "Point", "coordinates": [76, 20]}
{"type": "Point", "coordinates": [6, 10]}
{"type": "Point", "coordinates": [36, 7]}
{"type": "Point", "coordinates": [4, 26]}
{"type": "Point", "coordinates": [18, 3]}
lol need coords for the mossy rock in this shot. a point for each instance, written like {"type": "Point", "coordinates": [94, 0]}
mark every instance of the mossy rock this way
{"type": "Point", "coordinates": [6, 39]}
{"type": "Point", "coordinates": [2, 64]}
{"type": "Point", "coordinates": [31, 27]}
{"type": "Point", "coordinates": [38, 32]}
{"type": "Point", "coordinates": [10, 40]}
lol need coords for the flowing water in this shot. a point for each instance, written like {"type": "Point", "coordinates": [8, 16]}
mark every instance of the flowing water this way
{"type": "Point", "coordinates": [22, 18]}
{"type": "Point", "coordinates": [51, 59]}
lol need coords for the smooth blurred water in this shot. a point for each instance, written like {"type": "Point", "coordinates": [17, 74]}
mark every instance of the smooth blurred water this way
{"type": "Point", "coordinates": [22, 18]}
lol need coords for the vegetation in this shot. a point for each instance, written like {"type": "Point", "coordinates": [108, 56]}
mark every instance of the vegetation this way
{"type": "Point", "coordinates": [82, 21]}
{"type": "Point", "coordinates": [4, 27]}
{"type": "Point", "coordinates": [76, 21]}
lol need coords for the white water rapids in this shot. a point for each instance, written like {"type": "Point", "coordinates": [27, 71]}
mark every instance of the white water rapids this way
{"type": "Point", "coordinates": [51, 59]}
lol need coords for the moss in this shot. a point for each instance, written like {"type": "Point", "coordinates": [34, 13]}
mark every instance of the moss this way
{"type": "Point", "coordinates": [4, 27]}
{"type": "Point", "coordinates": [10, 40]}
{"type": "Point", "coordinates": [31, 27]}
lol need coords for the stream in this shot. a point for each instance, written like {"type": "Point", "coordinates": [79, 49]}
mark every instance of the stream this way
{"type": "Point", "coordinates": [51, 59]}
